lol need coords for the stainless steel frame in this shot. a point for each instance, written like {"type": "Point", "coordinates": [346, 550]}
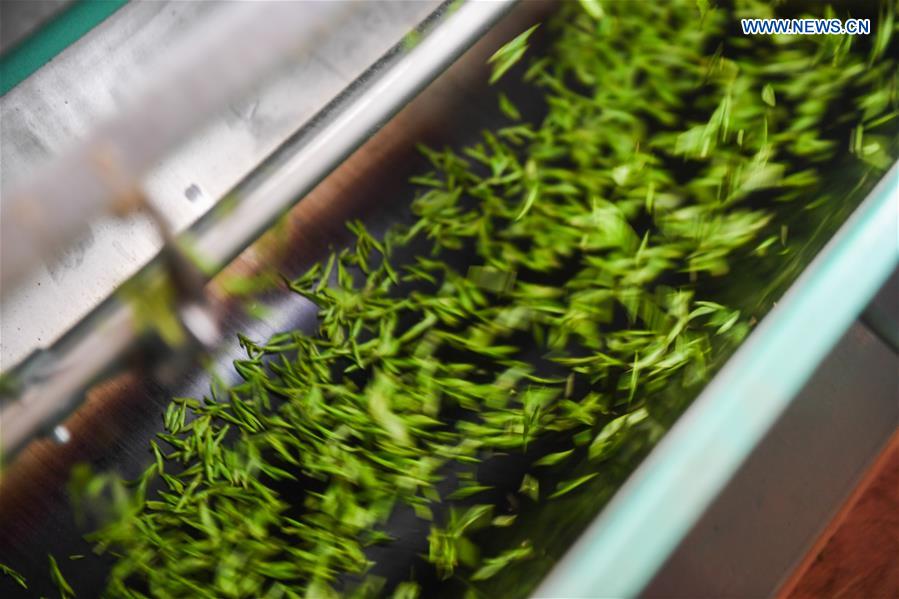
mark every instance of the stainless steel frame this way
{"type": "Point", "coordinates": [52, 384]}
{"type": "Point", "coordinates": [59, 109]}
{"type": "Point", "coordinates": [712, 512]}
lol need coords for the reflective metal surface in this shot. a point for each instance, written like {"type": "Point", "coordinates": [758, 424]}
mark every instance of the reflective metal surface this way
{"type": "Point", "coordinates": [657, 512]}
{"type": "Point", "coordinates": [60, 104]}
{"type": "Point", "coordinates": [49, 391]}
{"type": "Point", "coordinates": [112, 429]}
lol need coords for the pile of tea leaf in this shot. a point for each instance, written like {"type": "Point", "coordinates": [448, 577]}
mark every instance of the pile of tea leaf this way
{"type": "Point", "coordinates": [544, 317]}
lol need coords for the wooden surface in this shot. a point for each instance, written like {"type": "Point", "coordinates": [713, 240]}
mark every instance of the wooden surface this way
{"type": "Point", "coordinates": [857, 556]}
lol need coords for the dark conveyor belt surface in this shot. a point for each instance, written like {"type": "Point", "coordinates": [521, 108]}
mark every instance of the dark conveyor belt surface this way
{"type": "Point", "coordinates": [123, 415]}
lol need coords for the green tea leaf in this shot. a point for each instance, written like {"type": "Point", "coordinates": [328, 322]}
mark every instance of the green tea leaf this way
{"type": "Point", "coordinates": [566, 487]}
{"type": "Point", "coordinates": [553, 458]}
{"type": "Point", "coordinates": [18, 578]}
{"type": "Point", "coordinates": [492, 566]}
{"type": "Point", "coordinates": [768, 95]}
{"type": "Point", "coordinates": [509, 54]}
{"type": "Point", "coordinates": [65, 591]}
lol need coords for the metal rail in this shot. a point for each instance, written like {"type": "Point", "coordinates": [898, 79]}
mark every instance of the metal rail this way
{"type": "Point", "coordinates": [177, 92]}
{"type": "Point", "coordinates": [50, 386]}
{"type": "Point", "coordinates": [65, 101]}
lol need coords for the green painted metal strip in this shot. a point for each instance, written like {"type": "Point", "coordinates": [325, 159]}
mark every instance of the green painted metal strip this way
{"type": "Point", "coordinates": [55, 36]}
{"type": "Point", "coordinates": [621, 551]}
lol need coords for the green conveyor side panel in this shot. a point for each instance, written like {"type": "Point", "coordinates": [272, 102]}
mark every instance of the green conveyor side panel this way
{"type": "Point", "coordinates": [53, 37]}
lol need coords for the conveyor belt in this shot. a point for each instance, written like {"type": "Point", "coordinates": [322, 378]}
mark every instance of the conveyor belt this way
{"type": "Point", "coordinates": [50, 381]}
{"type": "Point", "coordinates": [120, 416]}
{"type": "Point", "coordinates": [123, 414]}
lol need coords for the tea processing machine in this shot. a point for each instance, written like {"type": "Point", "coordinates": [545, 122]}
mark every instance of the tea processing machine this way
{"type": "Point", "coordinates": [141, 170]}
